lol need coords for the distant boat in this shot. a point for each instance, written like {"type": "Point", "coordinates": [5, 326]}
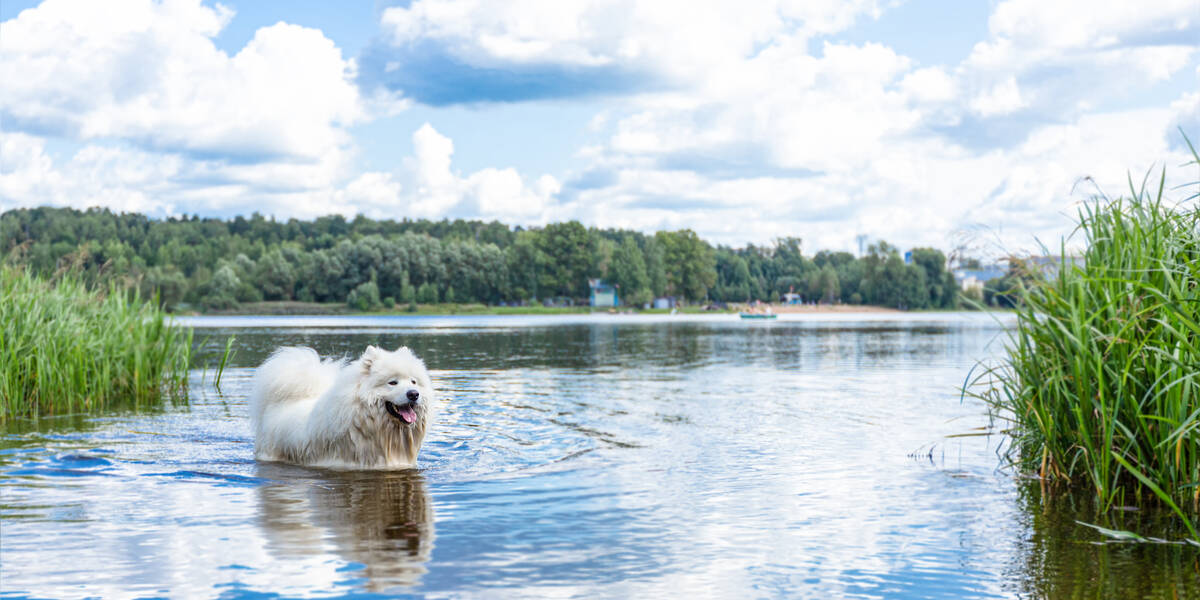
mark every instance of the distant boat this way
{"type": "Point", "coordinates": [757, 315]}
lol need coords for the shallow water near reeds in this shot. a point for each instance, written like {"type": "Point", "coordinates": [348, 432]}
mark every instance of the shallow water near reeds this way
{"type": "Point", "coordinates": [591, 456]}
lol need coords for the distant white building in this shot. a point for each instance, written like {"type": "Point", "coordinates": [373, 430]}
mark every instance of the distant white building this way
{"type": "Point", "coordinates": [977, 278]}
{"type": "Point", "coordinates": [1047, 266]}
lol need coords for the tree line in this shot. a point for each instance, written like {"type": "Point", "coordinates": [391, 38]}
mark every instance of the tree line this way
{"type": "Point", "coordinates": [211, 263]}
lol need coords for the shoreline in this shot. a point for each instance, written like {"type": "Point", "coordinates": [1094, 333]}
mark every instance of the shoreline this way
{"type": "Point", "coordinates": [782, 309]}
{"type": "Point", "coordinates": [338, 309]}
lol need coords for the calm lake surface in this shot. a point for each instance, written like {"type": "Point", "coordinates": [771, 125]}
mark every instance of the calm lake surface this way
{"type": "Point", "coordinates": [604, 456]}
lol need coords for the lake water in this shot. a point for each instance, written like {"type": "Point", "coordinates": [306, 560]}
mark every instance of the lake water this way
{"type": "Point", "coordinates": [605, 456]}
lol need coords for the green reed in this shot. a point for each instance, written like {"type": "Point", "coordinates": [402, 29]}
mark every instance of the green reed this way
{"type": "Point", "coordinates": [67, 347]}
{"type": "Point", "coordinates": [1101, 385]}
{"type": "Point", "coordinates": [224, 361]}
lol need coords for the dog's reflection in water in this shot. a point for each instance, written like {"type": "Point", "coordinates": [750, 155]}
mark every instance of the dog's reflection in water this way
{"type": "Point", "coordinates": [382, 520]}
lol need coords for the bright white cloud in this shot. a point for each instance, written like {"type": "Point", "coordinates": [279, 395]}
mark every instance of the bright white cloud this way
{"type": "Point", "coordinates": [930, 84]}
{"type": "Point", "coordinates": [916, 193]}
{"type": "Point", "coordinates": [1069, 55]}
{"type": "Point", "coordinates": [424, 185]}
{"type": "Point", "coordinates": [1186, 117]}
{"type": "Point", "coordinates": [1002, 99]}
{"type": "Point", "coordinates": [676, 39]}
{"type": "Point", "coordinates": [437, 186]}
{"type": "Point", "coordinates": [902, 153]}
{"type": "Point", "coordinates": [172, 123]}
{"type": "Point", "coordinates": [148, 73]}
{"type": "Point", "coordinates": [1073, 24]}
{"type": "Point", "coordinates": [488, 193]}
{"type": "Point", "coordinates": [784, 107]}
{"type": "Point", "coordinates": [124, 180]}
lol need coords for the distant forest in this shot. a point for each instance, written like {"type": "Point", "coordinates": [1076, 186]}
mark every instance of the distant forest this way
{"type": "Point", "coordinates": [207, 263]}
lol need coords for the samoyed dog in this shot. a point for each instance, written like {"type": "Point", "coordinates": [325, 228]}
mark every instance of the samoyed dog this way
{"type": "Point", "coordinates": [369, 413]}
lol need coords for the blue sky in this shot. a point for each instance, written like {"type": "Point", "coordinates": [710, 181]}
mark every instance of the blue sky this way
{"type": "Point", "coordinates": [918, 122]}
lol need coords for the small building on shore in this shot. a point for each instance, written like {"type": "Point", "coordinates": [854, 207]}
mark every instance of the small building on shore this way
{"type": "Point", "coordinates": [604, 295]}
{"type": "Point", "coordinates": [976, 278]}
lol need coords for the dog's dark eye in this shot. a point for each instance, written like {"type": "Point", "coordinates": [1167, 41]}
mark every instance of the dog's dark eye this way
{"type": "Point", "coordinates": [393, 382]}
{"type": "Point", "coordinates": [414, 382]}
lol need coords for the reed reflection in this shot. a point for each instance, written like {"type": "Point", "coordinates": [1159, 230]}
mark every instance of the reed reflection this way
{"type": "Point", "coordinates": [1062, 559]}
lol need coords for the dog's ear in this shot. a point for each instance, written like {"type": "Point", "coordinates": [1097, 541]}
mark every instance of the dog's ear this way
{"type": "Point", "coordinates": [368, 357]}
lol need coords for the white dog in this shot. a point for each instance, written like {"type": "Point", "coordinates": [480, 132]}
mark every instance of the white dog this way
{"type": "Point", "coordinates": [370, 413]}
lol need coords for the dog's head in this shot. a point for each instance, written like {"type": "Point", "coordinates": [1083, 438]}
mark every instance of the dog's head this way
{"type": "Point", "coordinates": [396, 383]}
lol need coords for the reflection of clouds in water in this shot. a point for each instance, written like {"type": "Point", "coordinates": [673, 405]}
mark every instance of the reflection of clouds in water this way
{"type": "Point", "coordinates": [381, 520]}
{"type": "Point", "coordinates": [693, 458]}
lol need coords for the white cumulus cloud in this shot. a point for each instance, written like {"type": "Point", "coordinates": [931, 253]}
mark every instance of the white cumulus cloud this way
{"type": "Point", "coordinates": [439, 191]}
{"type": "Point", "coordinates": [676, 39]}
{"type": "Point", "coordinates": [424, 185]}
{"type": "Point", "coordinates": [1002, 99]}
{"type": "Point", "coordinates": [148, 73]}
{"type": "Point", "coordinates": [860, 139]}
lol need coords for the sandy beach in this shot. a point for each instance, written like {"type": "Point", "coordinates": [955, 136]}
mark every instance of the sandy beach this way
{"type": "Point", "coordinates": [819, 308]}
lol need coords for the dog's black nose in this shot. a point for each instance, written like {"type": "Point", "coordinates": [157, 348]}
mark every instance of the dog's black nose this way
{"type": "Point", "coordinates": [413, 395]}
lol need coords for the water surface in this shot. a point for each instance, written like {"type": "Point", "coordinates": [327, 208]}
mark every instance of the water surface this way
{"type": "Point", "coordinates": [593, 456]}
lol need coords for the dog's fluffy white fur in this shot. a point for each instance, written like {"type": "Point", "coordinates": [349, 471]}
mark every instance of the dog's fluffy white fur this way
{"type": "Point", "coordinates": [370, 413]}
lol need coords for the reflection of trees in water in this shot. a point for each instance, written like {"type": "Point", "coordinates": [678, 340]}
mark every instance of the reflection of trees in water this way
{"type": "Point", "coordinates": [565, 346]}
{"type": "Point", "coordinates": [1059, 560]}
{"type": "Point", "coordinates": [382, 520]}
{"type": "Point", "coordinates": [621, 345]}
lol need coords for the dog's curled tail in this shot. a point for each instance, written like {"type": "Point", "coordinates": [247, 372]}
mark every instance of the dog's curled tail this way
{"type": "Point", "coordinates": [289, 374]}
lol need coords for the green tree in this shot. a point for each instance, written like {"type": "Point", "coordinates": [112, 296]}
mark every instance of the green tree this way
{"type": "Point", "coordinates": [326, 259]}
{"type": "Point", "coordinates": [734, 281]}
{"type": "Point", "coordinates": [850, 276]}
{"type": "Point", "coordinates": [744, 287]}
{"type": "Point", "coordinates": [656, 269]}
{"type": "Point", "coordinates": [691, 265]}
{"type": "Point", "coordinates": [828, 289]}
{"type": "Point", "coordinates": [524, 261]}
{"type": "Point", "coordinates": [942, 292]}
{"type": "Point", "coordinates": [408, 294]}
{"type": "Point", "coordinates": [787, 266]}
{"type": "Point", "coordinates": [914, 289]}
{"type": "Point", "coordinates": [950, 293]}
{"type": "Point", "coordinates": [574, 257]}
{"type": "Point", "coordinates": [627, 270]}
{"type": "Point", "coordinates": [883, 276]}
{"type": "Point", "coordinates": [832, 258]}
{"type": "Point", "coordinates": [427, 294]}
{"type": "Point", "coordinates": [222, 289]}
{"type": "Point", "coordinates": [167, 283]}
{"type": "Point", "coordinates": [275, 276]}
{"type": "Point", "coordinates": [365, 296]}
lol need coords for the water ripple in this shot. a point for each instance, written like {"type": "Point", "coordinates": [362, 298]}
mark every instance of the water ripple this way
{"type": "Point", "coordinates": [593, 456]}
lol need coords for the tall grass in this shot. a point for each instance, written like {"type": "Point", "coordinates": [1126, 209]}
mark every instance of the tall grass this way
{"type": "Point", "coordinates": [1101, 385]}
{"type": "Point", "coordinates": [68, 347]}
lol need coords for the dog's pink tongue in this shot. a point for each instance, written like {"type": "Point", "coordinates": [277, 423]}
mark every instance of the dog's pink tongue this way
{"type": "Point", "coordinates": [408, 414]}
